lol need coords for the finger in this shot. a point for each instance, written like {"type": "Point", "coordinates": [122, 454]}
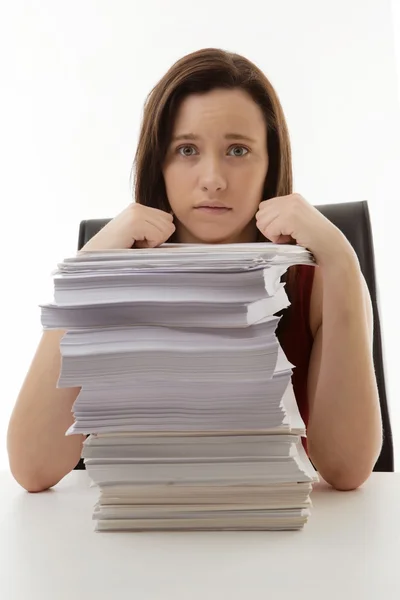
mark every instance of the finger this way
{"type": "Point", "coordinates": [164, 215]}
{"type": "Point", "coordinates": [154, 235]}
{"type": "Point", "coordinates": [268, 221]}
{"type": "Point", "coordinates": [162, 235]}
{"type": "Point", "coordinates": [267, 215]}
{"type": "Point", "coordinates": [169, 230]}
{"type": "Point", "coordinates": [161, 221]}
{"type": "Point", "coordinates": [270, 203]}
{"type": "Point", "coordinates": [155, 224]}
{"type": "Point", "coordinates": [166, 229]}
{"type": "Point", "coordinates": [283, 239]}
{"type": "Point", "coordinates": [275, 231]}
{"type": "Point", "coordinates": [150, 236]}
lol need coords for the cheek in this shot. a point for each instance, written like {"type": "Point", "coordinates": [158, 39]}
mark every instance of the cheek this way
{"type": "Point", "coordinates": [249, 197]}
{"type": "Point", "coordinates": [178, 187]}
{"type": "Point", "coordinates": [248, 209]}
{"type": "Point", "coordinates": [175, 179]}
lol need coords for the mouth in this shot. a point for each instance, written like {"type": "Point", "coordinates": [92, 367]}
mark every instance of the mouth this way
{"type": "Point", "coordinates": [213, 209]}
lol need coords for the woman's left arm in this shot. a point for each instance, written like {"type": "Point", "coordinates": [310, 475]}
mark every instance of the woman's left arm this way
{"type": "Point", "coordinates": [344, 431]}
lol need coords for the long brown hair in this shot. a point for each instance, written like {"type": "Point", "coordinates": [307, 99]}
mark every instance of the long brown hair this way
{"type": "Point", "coordinates": [200, 72]}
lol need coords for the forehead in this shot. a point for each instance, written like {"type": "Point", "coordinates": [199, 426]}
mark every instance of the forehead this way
{"type": "Point", "coordinates": [219, 109]}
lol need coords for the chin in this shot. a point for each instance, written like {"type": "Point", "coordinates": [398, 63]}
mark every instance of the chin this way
{"type": "Point", "coordinates": [206, 234]}
{"type": "Point", "coordinates": [215, 237]}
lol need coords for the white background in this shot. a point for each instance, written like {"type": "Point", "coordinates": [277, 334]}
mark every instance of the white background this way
{"type": "Point", "coordinates": [74, 76]}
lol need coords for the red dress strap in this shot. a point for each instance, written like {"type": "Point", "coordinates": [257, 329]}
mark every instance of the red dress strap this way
{"type": "Point", "coordinates": [296, 337]}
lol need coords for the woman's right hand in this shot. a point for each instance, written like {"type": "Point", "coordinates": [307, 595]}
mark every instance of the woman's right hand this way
{"type": "Point", "coordinates": [138, 225]}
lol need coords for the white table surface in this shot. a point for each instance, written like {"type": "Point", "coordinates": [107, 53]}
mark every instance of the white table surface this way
{"type": "Point", "coordinates": [349, 550]}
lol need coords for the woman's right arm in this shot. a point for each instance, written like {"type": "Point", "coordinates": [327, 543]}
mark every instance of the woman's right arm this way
{"type": "Point", "coordinates": [40, 454]}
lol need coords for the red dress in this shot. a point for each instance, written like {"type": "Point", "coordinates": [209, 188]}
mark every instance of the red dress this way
{"type": "Point", "coordinates": [296, 338]}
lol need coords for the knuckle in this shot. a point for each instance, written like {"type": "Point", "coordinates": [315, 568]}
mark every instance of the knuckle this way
{"type": "Point", "coordinates": [295, 203]}
{"type": "Point", "coordinates": [297, 199]}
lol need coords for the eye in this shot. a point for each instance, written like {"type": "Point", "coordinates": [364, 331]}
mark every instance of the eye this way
{"type": "Point", "coordinates": [185, 148]}
{"type": "Point", "coordinates": [239, 148]}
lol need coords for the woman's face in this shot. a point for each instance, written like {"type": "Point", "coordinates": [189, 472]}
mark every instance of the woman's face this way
{"type": "Point", "coordinates": [215, 167]}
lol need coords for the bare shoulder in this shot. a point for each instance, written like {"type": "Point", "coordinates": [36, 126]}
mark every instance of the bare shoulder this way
{"type": "Point", "coordinates": [316, 302]}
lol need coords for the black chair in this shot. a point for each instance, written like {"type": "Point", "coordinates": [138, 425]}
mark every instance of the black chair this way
{"type": "Point", "coordinates": [353, 220]}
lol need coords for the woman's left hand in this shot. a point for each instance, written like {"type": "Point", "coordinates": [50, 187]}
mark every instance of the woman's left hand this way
{"type": "Point", "coordinates": [287, 218]}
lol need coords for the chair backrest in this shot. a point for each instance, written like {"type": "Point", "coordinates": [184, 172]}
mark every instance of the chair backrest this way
{"type": "Point", "coordinates": [353, 220]}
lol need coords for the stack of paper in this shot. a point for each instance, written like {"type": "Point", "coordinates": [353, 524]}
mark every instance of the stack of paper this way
{"type": "Point", "coordinates": [185, 390]}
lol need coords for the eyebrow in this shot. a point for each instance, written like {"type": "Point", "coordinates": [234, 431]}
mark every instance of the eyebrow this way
{"type": "Point", "coordinates": [228, 136]}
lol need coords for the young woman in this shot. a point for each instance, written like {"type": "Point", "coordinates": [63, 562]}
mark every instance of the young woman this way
{"type": "Point", "coordinates": [213, 165]}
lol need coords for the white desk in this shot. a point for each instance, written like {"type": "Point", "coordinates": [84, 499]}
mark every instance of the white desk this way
{"type": "Point", "coordinates": [349, 550]}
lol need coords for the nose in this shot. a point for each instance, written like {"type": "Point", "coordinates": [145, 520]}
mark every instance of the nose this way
{"type": "Point", "coordinates": [212, 179]}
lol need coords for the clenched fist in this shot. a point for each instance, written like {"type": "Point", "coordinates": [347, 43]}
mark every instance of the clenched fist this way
{"type": "Point", "coordinates": [138, 225]}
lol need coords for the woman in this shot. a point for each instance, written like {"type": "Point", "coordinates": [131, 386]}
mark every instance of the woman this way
{"type": "Point", "coordinates": [213, 165]}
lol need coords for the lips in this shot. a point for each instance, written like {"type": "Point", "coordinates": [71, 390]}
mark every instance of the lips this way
{"type": "Point", "coordinates": [213, 208]}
